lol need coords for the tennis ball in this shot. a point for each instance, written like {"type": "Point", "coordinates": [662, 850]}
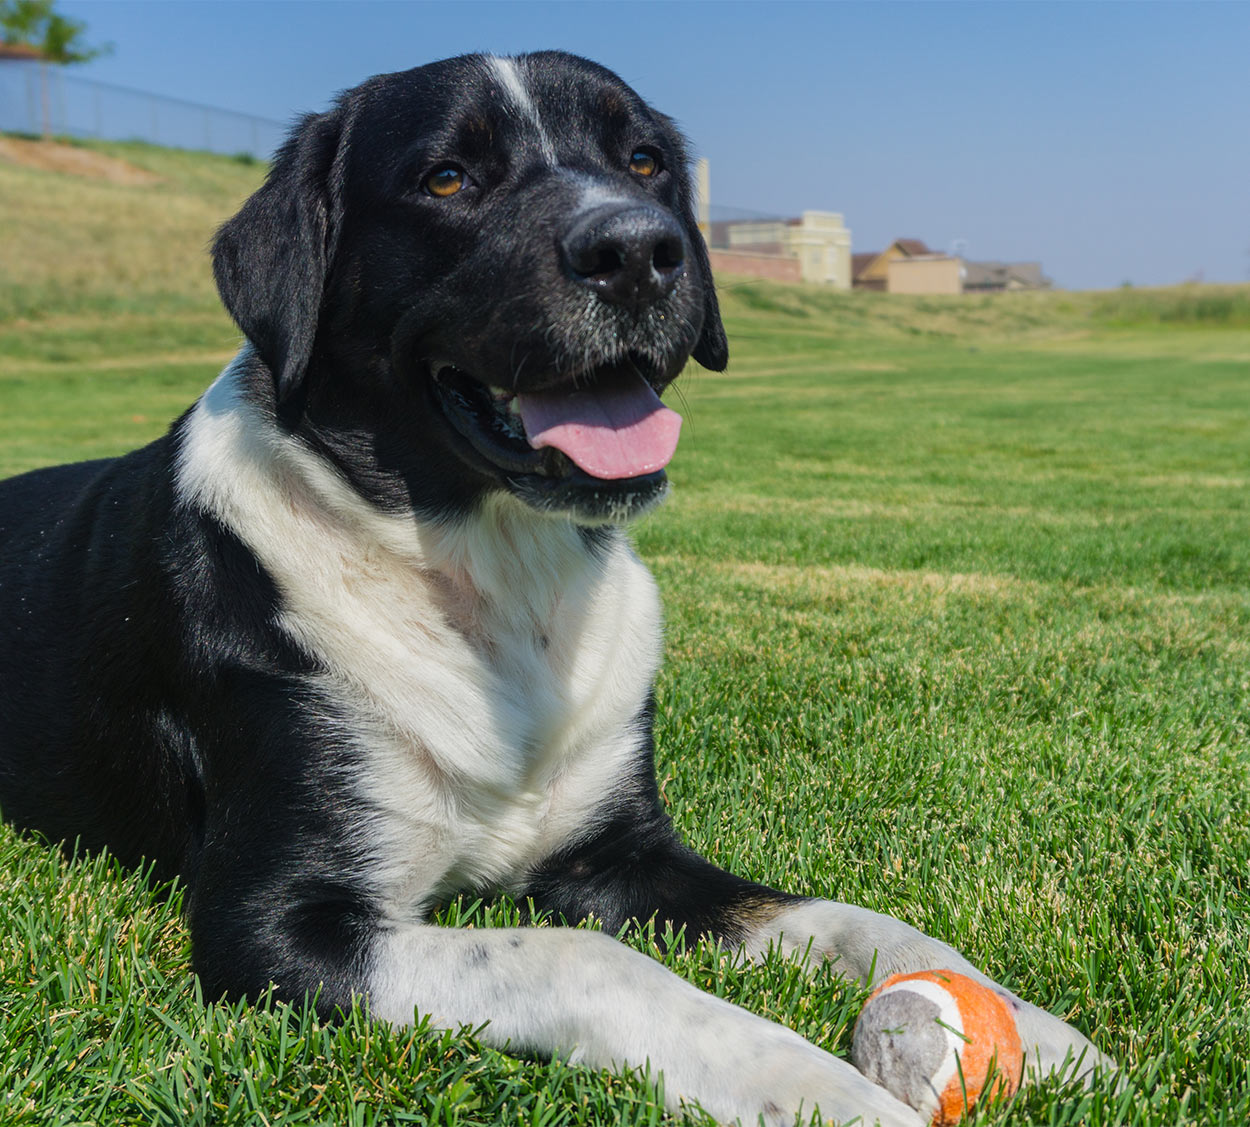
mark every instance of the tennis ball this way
{"type": "Point", "coordinates": [934, 1038]}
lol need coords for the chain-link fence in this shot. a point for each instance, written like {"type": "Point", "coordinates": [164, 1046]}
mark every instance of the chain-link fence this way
{"type": "Point", "coordinates": [41, 99]}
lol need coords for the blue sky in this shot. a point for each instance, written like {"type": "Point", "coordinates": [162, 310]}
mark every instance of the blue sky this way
{"type": "Point", "coordinates": [1110, 140]}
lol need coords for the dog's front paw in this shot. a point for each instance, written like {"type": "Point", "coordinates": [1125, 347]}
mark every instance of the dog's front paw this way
{"type": "Point", "coordinates": [781, 1078]}
{"type": "Point", "coordinates": [1053, 1047]}
{"type": "Point", "coordinates": [868, 946]}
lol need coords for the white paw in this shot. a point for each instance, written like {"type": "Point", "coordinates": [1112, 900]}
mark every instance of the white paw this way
{"type": "Point", "coordinates": [1052, 1046]}
{"type": "Point", "coordinates": [789, 1077]}
{"type": "Point", "coordinates": [868, 946]}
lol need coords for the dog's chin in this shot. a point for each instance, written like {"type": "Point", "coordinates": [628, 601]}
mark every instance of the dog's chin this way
{"type": "Point", "coordinates": [490, 436]}
{"type": "Point", "coordinates": [590, 500]}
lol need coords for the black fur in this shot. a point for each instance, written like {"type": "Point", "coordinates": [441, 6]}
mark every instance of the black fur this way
{"type": "Point", "coordinates": [634, 868]}
{"type": "Point", "coordinates": [151, 705]}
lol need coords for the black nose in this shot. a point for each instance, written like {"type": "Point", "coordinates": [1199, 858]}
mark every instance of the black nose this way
{"type": "Point", "coordinates": [629, 257]}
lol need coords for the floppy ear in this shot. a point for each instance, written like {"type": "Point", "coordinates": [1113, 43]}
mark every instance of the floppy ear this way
{"type": "Point", "coordinates": [712, 351]}
{"type": "Point", "coordinates": [271, 259]}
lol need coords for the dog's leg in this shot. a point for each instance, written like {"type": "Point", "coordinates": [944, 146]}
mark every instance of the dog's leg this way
{"type": "Point", "coordinates": [314, 932]}
{"type": "Point", "coordinates": [636, 868]}
{"type": "Point", "coordinates": [869, 946]}
{"type": "Point", "coordinates": [556, 991]}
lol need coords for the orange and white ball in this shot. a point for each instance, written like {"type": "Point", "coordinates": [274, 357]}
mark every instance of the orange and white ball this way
{"type": "Point", "coordinates": [934, 1038]}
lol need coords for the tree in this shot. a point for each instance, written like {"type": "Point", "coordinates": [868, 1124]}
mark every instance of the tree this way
{"type": "Point", "coordinates": [35, 23]}
{"type": "Point", "coordinates": [58, 39]}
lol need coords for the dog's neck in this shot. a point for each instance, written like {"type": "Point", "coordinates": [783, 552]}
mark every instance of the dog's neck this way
{"type": "Point", "coordinates": [536, 642]}
{"type": "Point", "coordinates": [501, 560]}
{"type": "Point", "coordinates": [509, 555]}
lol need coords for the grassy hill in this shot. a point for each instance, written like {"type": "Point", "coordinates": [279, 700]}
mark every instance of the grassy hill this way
{"type": "Point", "coordinates": [958, 594]}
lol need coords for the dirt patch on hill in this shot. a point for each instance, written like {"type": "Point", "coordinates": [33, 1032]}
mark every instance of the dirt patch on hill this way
{"type": "Point", "coordinates": [55, 156]}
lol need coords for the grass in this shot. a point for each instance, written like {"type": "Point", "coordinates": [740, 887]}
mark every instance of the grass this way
{"type": "Point", "coordinates": [958, 600]}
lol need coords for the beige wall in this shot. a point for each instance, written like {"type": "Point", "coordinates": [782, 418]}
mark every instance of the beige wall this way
{"type": "Point", "coordinates": [927, 273]}
{"type": "Point", "coordinates": [767, 232]}
{"type": "Point", "coordinates": [822, 244]}
{"type": "Point", "coordinates": [703, 195]}
{"type": "Point", "coordinates": [879, 271]}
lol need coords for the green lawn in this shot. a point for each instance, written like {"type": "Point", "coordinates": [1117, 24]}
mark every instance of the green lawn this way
{"type": "Point", "coordinates": [958, 597]}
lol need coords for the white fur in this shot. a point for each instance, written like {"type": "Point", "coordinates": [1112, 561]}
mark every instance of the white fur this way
{"type": "Point", "coordinates": [595, 194]}
{"type": "Point", "coordinates": [868, 947]}
{"type": "Point", "coordinates": [489, 670]}
{"type": "Point", "coordinates": [582, 995]}
{"type": "Point", "coordinates": [509, 77]}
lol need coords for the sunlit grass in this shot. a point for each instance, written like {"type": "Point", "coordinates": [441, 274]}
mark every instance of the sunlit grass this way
{"type": "Point", "coordinates": [958, 601]}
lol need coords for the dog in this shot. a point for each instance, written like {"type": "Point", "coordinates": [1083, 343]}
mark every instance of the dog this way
{"type": "Point", "coordinates": [362, 631]}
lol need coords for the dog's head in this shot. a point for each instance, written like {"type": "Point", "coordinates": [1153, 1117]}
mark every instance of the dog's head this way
{"type": "Point", "coordinates": [478, 275]}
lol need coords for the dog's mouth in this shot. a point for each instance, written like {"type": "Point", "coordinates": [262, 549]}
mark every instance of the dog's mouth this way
{"type": "Point", "coordinates": [609, 425]}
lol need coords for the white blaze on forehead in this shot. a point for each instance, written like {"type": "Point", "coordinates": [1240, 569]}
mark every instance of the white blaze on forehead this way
{"type": "Point", "coordinates": [594, 194]}
{"type": "Point", "coordinates": [506, 73]}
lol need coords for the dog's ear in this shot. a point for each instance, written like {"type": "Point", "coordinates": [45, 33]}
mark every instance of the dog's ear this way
{"type": "Point", "coordinates": [712, 350]}
{"type": "Point", "coordinates": [271, 259]}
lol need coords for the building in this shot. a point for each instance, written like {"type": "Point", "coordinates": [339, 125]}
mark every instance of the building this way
{"type": "Point", "coordinates": [871, 271]}
{"type": "Point", "coordinates": [997, 277]}
{"type": "Point", "coordinates": [22, 52]}
{"type": "Point", "coordinates": [816, 247]}
{"type": "Point", "coordinates": [908, 266]}
{"type": "Point", "coordinates": [925, 274]}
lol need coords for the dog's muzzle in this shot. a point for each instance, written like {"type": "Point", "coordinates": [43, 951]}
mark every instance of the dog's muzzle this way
{"type": "Point", "coordinates": [630, 257]}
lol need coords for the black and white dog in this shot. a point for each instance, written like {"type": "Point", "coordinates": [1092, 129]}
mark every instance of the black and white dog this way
{"type": "Point", "coordinates": [361, 631]}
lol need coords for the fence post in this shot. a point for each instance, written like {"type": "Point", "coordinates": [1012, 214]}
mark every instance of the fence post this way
{"type": "Point", "coordinates": [45, 102]}
{"type": "Point", "coordinates": [32, 99]}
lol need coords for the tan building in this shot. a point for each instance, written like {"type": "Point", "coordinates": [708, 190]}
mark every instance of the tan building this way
{"type": "Point", "coordinates": [818, 240]}
{"type": "Point", "coordinates": [908, 266]}
{"type": "Point", "coordinates": [816, 247]}
{"type": "Point", "coordinates": [703, 195]}
{"type": "Point", "coordinates": [925, 273]}
{"type": "Point", "coordinates": [822, 244]}
{"type": "Point", "coordinates": [871, 270]}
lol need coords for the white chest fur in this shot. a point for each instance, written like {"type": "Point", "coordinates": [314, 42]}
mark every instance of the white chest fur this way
{"type": "Point", "coordinates": [488, 672]}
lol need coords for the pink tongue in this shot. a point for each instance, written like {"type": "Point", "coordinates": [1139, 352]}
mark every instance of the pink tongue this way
{"type": "Point", "coordinates": [613, 430]}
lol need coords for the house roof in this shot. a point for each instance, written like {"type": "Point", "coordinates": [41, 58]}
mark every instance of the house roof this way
{"type": "Point", "coordinates": [1028, 274]}
{"type": "Point", "coordinates": [861, 262]}
{"type": "Point", "coordinates": [910, 247]}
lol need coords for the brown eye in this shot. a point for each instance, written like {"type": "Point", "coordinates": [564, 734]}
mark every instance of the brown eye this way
{"type": "Point", "coordinates": [644, 163]}
{"type": "Point", "coordinates": [445, 181]}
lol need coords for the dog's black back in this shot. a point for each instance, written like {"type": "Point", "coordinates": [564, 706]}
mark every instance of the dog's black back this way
{"type": "Point", "coordinates": [122, 614]}
{"type": "Point", "coordinates": [153, 702]}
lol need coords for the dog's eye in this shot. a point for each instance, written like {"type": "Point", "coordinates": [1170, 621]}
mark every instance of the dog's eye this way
{"type": "Point", "coordinates": [446, 180]}
{"type": "Point", "coordinates": [644, 162]}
